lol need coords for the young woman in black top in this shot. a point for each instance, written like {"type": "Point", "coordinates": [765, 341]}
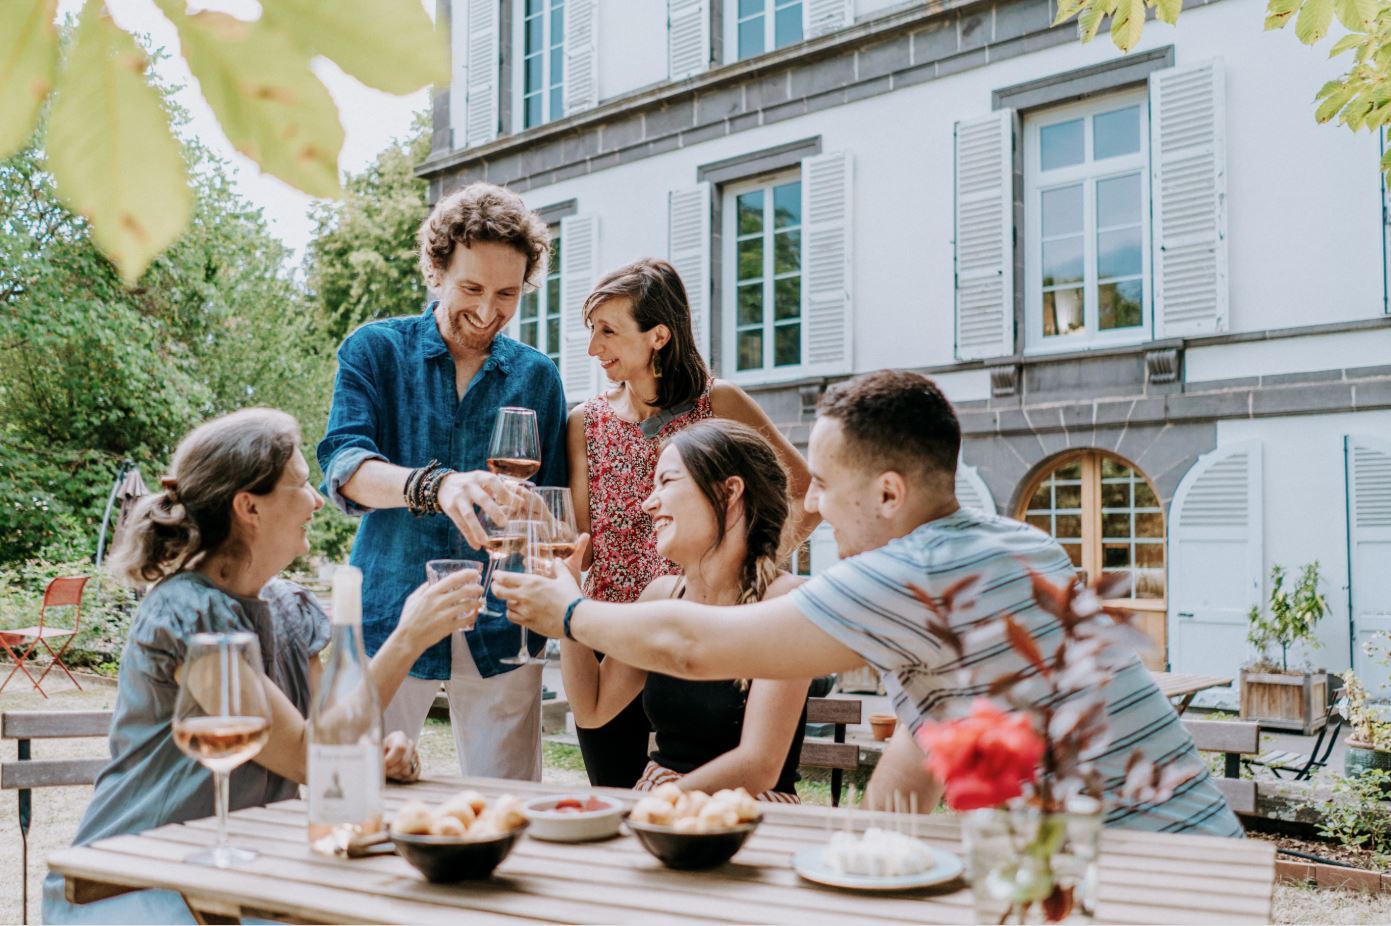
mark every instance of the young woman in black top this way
{"type": "Point", "coordinates": [719, 505]}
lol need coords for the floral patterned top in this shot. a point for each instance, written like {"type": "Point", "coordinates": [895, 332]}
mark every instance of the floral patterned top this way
{"type": "Point", "coordinates": [622, 460]}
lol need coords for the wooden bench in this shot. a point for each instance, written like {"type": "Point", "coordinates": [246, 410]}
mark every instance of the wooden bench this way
{"type": "Point", "coordinates": [1234, 739]}
{"type": "Point", "coordinates": [27, 773]}
{"type": "Point", "coordinates": [838, 756]}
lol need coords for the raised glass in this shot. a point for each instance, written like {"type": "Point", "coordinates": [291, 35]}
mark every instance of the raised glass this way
{"type": "Point", "coordinates": [515, 448]}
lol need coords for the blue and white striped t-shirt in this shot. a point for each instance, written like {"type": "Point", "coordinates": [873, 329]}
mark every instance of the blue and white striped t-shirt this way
{"type": "Point", "coordinates": [864, 602]}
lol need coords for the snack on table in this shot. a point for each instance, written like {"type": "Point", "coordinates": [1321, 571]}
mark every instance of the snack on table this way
{"type": "Point", "coordinates": [878, 854]}
{"type": "Point", "coordinates": [466, 815]}
{"type": "Point", "coordinates": [696, 811]}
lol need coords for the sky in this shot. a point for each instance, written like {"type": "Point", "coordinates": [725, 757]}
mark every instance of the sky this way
{"type": "Point", "coordinates": [371, 119]}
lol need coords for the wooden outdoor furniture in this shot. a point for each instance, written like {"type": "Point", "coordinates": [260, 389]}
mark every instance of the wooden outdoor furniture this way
{"type": "Point", "coordinates": [27, 773]}
{"type": "Point", "coordinates": [1234, 739]}
{"type": "Point", "coordinates": [21, 643]}
{"type": "Point", "coordinates": [1145, 877]}
{"type": "Point", "coordinates": [1301, 766]}
{"type": "Point", "coordinates": [1184, 687]}
{"type": "Point", "coordinates": [837, 755]}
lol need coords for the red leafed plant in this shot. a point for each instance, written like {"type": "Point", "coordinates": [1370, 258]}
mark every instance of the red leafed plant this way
{"type": "Point", "coordinates": [1052, 713]}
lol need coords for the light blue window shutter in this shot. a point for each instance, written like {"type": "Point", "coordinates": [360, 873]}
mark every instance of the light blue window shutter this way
{"type": "Point", "coordinates": [688, 250]}
{"type": "Point", "coordinates": [985, 236]}
{"type": "Point", "coordinates": [826, 277]}
{"type": "Point", "coordinates": [579, 235]}
{"type": "Point", "coordinates": [1188, 185]}
{"type": "Point", "coordinates": [581, 76]}
{"type": "Point", "coordinates": [688, 37]}
{"type": "Point", "coordinates": [481, 106]}
{"type": "Point", "coordinates": [820, 17]}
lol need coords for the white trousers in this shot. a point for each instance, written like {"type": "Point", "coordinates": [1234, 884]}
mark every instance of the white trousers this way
{"type": "Point", "coordinates": [496, 721]}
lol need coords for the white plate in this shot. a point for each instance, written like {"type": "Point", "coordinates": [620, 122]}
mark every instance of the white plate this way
{"type": "Point", "coordinates": [810, 864]}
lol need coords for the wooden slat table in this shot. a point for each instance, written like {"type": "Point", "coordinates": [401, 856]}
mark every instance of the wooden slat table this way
{"type": "Point", "coordinates": [1184, 687]}
{"type": "Point", "coordinates": [1145, 877]}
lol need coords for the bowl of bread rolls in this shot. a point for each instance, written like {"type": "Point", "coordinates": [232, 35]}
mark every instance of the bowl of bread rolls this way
{"type": "Point", "coordinates": [692, 830]}
{"type": "Point", "coordinates": [463, 838]}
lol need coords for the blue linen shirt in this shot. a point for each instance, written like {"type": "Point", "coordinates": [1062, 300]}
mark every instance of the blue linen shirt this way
{"type": "Point", "coordinates": [395, 400]}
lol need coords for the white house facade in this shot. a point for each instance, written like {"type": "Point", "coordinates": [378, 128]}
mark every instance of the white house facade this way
{"type": "Point", "coordinates": [1155, 289]}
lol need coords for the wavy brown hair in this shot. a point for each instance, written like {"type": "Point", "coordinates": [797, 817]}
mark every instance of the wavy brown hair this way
{"type": "Point", "coordinates": [170, 530]}
{"type": "Point", "coordinates": [658, 297]}
{"type": "Point", "coordinates": [481, 212]}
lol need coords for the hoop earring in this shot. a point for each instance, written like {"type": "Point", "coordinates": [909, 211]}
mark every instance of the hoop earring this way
{"type": "Point", "coordinates": [656, 365]}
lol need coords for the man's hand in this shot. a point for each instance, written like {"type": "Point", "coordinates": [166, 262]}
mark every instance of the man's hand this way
{"type": "Point", "coordinates": [401, 760]}
{"type": "Point", "coordinates": [460, 492]}
{"type": "Point", "coordinates": [538, 602]}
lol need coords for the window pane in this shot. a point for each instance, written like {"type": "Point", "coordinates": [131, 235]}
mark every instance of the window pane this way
{"type": "Point", "coordinates": [1118, 201]}
{"type": "Point", "coordinates": [1117, 253]}
{"type": "Point", "coordinates": [1144, 496]}
{"type": "Point", "coordinates": [787, 252]}
{"type": "Point", "coordinates": [1115, 495]}
{"type": "Point", "coordinates": [1074, 553]}
{"type": "Point", "coordinates": [787, 345]}
{"type": "Point", "coordinates": [553, 335]}
{"type": "Point", "coordinates": [750, 305]}
{"type": "Point", "coordinates": [557, 102]}
{"type": "Point", "coordinates": [1115, 524]}
{"type": "Point", "coordinates": [750, 7]}
{"type": "Point", "coordinates": [557, 23]}
{"type": "Point", "coordinates": [555, 253]}
{"type": "Point", "coordinates": [533, 110]}
{"type": "Point", "coordinates": [1149, 554]}
{"type": "Point", "coordinates": [557, 65]}
{"type": "Point", "coordinates": [1116, 133]}
{"type": "Point", "coordinates": [1114, 469]}
{"type": "Point", "coordinates": [529, 307]}
{"type": "Point", "coordinates": [533, 7]}
{"type": "Point", "coordinates": [1119, 304]}
{"type": "Point", "coordinates": [1041, 521]}
{"type": "Point", "coordinates": [535, 35]}
{"type": "Point", "coordinates": [1062, 211]}
{"type": "Point", "coordinates": [1149, 583]}
{"type": "Point", "coordinates": [787, 298]}
{"type": "Point", "coordinates": [1062, 312]}
{"type": "Point", "coordinates": [553, 294]}
{"type": "Point", "coordinates": [1062, 261]}
{"type": "Point", "coordinates": [1115, 555]}
{"type": "Point", "coordinates": [751, 37]}
{"type": "Point", "coordinates": [1043, 498]}
{"type": "Point", "coordinates": [1068, 525]}
{"type": "Point", "coordinates": [531, 74]}
{"type": "Point", "coordinates": [750, 207]}
{"type": "Point", "coordinates": [1149, 524]}
{"type": "Point", "coordinates": [1070, 471]}
{"type": "Point", "coordinates": [1068, 497]}
{"type": "Point", "coordinates": [1061, 145]}
{"type": "Point", "coordinates": [527, 333]}
{"type": "Point", "coordinates": [787, 26]}
{"type": "Point", "coordinates": [787, 205]}
{"type": "Point", "coordinates": [751, 259]}
{"type": "Point", "coordinates": [750, 350]}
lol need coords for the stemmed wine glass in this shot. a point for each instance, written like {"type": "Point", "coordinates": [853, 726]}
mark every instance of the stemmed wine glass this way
{"type": "Point", "coordinates": [504, 539]}
{"type": "Point", "coordinates": [221, 720]}
{"type": "Point", "coordinates": [552, 538]}
{"type": "Point", "coordinates": [515, 448]}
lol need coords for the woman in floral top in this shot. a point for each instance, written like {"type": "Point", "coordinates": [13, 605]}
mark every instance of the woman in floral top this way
{"type": "Point", "coordinates": [640, 329]}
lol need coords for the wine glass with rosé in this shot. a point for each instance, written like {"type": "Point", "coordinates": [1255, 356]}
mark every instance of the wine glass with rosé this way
{"type": "Point", "coordinates": [515, 448]}
{"type": "Point", "coordinates": [222, 720]}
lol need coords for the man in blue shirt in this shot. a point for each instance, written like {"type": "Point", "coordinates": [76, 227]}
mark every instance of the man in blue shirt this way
{"type": "Point", "coordinates": [428, 388]}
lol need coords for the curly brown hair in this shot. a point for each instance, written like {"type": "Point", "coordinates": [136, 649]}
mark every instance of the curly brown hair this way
{"type": "Point", "coordinates": [481, 212]}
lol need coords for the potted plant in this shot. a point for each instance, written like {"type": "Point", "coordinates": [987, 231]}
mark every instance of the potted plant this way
{"type": "Point", "coordinates": [1369, 746]}
{"type": "Point", "coordinates": [1271, 692]}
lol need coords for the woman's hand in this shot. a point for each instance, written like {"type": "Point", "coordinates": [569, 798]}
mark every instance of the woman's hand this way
{"type": "Point", "coordinates": [436, 609]}
{"type": "Point", "coordinates": [400, 757]}
{"type": "Point", "coordinates": [538, 602]}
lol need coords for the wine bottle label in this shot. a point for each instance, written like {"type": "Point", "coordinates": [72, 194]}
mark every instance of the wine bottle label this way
{"type": "Point", "coordinates": [345, 783]}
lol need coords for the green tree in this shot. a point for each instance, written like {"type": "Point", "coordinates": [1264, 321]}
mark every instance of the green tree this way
{"type": "Point", "coordinates": [363, 260]}
{"type": "Point", "coordinates": [1359, 99]}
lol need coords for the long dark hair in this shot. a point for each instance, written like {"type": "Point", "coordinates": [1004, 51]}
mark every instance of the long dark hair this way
{"type": "Point", "coordinates": [245, 451]}
{"type": "Point", "coordinates": [715, 450]}
{"type": "Point", "coordinates": [659, 298]}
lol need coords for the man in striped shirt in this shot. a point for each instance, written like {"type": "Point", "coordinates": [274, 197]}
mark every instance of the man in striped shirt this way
{"type": "Point", "coordinates": [883, 457]}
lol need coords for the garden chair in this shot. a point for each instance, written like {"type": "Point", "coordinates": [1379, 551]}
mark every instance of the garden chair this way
{"type": "Point", "coordinates": [21, 643]}
{"type": "Point", "coordinates": [28, 773]}
{"type": "Point", "coordinates": [1301, 766]}
{"type": "Point", "coordinates": [838, 755]}
{"type": "Point", "coordinates": [1234, 739]}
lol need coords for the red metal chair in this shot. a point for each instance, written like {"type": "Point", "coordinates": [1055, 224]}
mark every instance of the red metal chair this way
{"type": "Point", "coordinates": [61, 592]}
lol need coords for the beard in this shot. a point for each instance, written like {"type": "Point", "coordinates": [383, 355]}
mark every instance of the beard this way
{"type": "Point", "coordinates": [470, 337]}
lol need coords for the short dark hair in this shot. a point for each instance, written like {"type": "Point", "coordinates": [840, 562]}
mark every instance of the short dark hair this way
{"type": "Point", "coordinates": [481, 212]}
{"type": "Point", "coordinates": [899, 418]}
{"type": "Point", "coordinates": [659, 298]}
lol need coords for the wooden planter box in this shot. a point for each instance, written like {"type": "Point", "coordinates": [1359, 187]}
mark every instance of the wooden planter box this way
{"type": "Point", "coordinates": [1298, 703]}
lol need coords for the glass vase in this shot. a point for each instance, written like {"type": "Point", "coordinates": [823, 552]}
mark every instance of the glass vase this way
{"type": "Point", "coordinates": [1028, 866]}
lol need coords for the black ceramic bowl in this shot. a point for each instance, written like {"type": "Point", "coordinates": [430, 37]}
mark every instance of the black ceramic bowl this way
{"type": "Point", "coordinates": [691, 851]}
{"type": "Point", "coordinates": [444, 859]}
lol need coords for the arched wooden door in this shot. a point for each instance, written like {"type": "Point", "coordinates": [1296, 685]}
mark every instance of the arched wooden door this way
{"type": "Point", "coordinates": [1105, 513]}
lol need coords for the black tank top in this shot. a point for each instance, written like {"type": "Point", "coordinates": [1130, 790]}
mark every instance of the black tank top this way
{"type": "Point", "coordinates": [696, 722]}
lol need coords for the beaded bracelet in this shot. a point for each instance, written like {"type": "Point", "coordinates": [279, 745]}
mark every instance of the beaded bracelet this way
{"type": "Point", "coordinates": [430, 493]}
{"type": "Point", "coordinates": [416, 484]}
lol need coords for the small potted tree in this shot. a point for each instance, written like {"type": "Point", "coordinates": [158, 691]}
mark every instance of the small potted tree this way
{"type": "Point", "coordinates": [1271, 692]}
{"type": "Point", "coordinates": [1369, 746]}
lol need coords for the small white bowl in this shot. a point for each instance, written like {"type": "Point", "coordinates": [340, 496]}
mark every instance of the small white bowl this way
{"type": "Point", "coordinates": [573, 825]}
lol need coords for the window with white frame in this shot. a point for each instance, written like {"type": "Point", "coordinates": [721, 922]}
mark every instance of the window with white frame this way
{"type": "Point", "coordinates": [1086, 195]}
{"type": "Point", "coordinates": [538, 316]}
{"type": "Point", "coordinates": [763, 257]}
{"type": "Point", "coordinates": [542, 56]}
{"type": "Point", "coordinates": [760, 26]}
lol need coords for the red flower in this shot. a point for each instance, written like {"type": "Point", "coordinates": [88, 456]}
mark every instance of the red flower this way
{"type": "Point", "coordinates": [984, 759]}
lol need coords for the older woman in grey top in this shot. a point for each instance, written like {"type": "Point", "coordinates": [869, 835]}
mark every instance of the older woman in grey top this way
{"type": "Point", "coordinates": [233, 515]}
